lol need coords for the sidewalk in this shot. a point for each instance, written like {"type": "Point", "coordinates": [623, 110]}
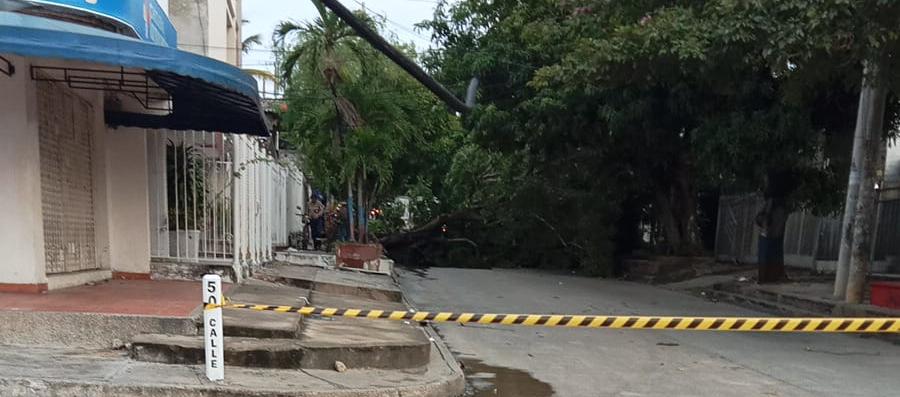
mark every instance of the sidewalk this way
{"type": "Point", "coordinates": [35, 371]}
{"type": "Point", "coordinates": [809, 295]}
{"type": "Point", "coordinates": [104, 315]}
{"type": "Point", "coordinates": [59, 343]}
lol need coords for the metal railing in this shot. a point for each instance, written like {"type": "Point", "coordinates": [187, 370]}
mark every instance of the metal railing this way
{"type": "Point", "coordinates": [216, 197]}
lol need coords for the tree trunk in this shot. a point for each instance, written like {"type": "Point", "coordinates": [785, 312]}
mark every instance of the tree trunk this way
{"type": "Point", "coordinates": [770, 248]}
{"type": "Point", "coordinates": [667, 218]}
{"type": "Point", "coordinates": [871, 118]}
{"type": "Point", "coordinates": [428, 230]}
{"type": "Point", "coordinates": [685, 205]}
{"type": "Point", "coordinates": [350, 215]}
{"type": "Point", "coordinates": [361, 208]}
{"type": "Point", "coordinates": [676, 204]}
{"type": "Point", "coordinates": [772, 221]}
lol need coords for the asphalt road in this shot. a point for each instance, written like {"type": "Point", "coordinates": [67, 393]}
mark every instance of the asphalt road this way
{"type": "Point", "coordinates": [536, 361]}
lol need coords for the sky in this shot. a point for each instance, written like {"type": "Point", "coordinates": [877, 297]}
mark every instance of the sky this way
{"type": "Point", "coordinates": [264, 15]}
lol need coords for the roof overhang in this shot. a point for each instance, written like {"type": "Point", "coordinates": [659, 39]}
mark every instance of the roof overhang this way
{"type": "Point", "coordinates": [206, 94]}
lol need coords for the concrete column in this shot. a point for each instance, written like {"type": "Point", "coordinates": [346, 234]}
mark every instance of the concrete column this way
{"type": "Point", "coordinates": [21, 224]}
{"type": "Point", "coordinates": [129, 206]}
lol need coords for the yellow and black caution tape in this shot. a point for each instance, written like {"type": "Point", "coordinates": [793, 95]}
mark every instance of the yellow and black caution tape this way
{"type": "Point", "coordinates": [732, 324]}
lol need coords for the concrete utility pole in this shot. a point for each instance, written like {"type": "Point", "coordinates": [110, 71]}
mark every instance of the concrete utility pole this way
{"type": "Point", "coordinates": [857, 157]}
{"type": "Point", "coordinates": [870, 122]}
{"type": "Point", "coordinates": [393, 54]}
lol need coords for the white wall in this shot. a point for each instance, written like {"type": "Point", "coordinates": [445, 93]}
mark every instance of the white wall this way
{"type": "Point", "coordinates": [297, 196]}
{"type": "Point", "coordinates": [119, 179]}
{"type": "Point", "coordinates": [224, 24]}
{"type": "Point", "coordinates": [128, 197]}
{"type": "Point", "coordinates": [21, 226]}
{"type": "Point", "coordinates": [892, 165]}
{"type": "Point", "coordinates": [208, 27]}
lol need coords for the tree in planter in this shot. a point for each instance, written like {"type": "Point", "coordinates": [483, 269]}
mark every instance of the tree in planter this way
{"type": "Point", "coordinates": [185, 185]}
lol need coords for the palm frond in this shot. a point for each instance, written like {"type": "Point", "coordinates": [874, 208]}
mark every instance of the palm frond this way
{"type": "Point", "coordinates": [285, 28]}
{"type": "Point", "coordinates": [290, 63]}
{"type": "Point", "coordinates": [250, 42]}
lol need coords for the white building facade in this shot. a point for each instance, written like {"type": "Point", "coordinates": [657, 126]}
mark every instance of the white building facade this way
{"type": "Point", "coordinates": [94, 114]}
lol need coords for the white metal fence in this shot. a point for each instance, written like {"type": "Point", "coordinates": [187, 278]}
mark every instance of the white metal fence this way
{"type": "Point", "coordinates": [216, 197]}
{"type": "Point", "coordinates": [809, 241]}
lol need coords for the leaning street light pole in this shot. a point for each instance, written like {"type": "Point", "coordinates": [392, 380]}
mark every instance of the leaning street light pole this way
{"type": "Point", "coordinates": [396, 56]}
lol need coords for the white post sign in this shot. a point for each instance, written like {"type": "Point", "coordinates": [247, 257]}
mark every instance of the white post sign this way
{"type": "Point", "coordinates": [212, 328]}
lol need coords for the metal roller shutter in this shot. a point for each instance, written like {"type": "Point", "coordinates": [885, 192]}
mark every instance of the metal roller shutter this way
{"type": "Point", "coordinates": [66, 123]}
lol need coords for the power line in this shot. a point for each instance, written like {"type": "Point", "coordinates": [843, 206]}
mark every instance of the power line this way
{"type": "Point", "coordinates": [383, 14]}
{"type": "Point", "coordinates": [226, 47]}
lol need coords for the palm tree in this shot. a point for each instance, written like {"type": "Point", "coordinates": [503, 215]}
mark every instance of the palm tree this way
{"type": "Point", "coordinates": [324, 48]}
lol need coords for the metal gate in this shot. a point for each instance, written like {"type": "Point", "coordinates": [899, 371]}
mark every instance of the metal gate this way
{"type": "Point", "coordinates": [735, 233]}
{"type": "Point", "coordinates": [191, 178]}
{"type": "Point", "coordinates": [67, 199]}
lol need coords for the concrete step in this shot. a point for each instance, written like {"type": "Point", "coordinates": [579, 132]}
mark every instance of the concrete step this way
{"type": "Point", "coordinates": [255, 324]}
{"type": "Point", "coordinates": [306, 258]}
{"type": "Point", "coordinates": [378, 287]}
{"type": "Point", "coordinates": [803, 303]}
{"type": "Point", "coordinates": [318, 352]}
{"type": "Point", "coordinates": [324, 299]}
{"type": "Point", "coordinates": [172, 269]}
{"type": "Point", "coordinates": [757, 303]}
{"type": "Point", "coordinates": [365, 343]}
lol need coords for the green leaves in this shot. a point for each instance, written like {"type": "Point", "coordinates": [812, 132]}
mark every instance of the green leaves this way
{"type": "Point", "coordinates": [646, 102]}
{"type": "Point", "coordinates": [353, 112]}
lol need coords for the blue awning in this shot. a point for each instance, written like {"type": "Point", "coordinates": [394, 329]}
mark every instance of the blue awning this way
{"type": "Point", "coordinates": [206, 94]}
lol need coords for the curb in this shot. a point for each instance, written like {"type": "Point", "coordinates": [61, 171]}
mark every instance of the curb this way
{"type": "Point", "coordinates": [40, 388]}
{"type": "Point", "coordinates": [451, 384]}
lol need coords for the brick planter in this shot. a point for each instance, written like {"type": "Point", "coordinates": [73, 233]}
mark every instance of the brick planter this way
{"type": "Point", "coordinates": [359, 256]}
{"type": "Point", "coordinates": [886, 294]}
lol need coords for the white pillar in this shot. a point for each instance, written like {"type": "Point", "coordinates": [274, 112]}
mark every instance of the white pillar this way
{"type": "Point", "coordinates": [128, 192]}
{"type": "Point", "coordinates": [21, 222]}
{"type": "Point", "coordinates": [236, 222]}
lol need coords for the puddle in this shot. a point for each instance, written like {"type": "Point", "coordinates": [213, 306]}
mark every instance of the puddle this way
{"type": "Point", "coordinates": [484, 380]}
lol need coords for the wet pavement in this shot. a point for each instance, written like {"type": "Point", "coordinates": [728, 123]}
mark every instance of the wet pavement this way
{"type": "Point", "coordinates": [484, 380]}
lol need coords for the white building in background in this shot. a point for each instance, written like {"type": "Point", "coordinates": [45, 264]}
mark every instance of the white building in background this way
{"type": "Point", "coordinates": [109, 136]}
{"type": "Point", "coordinates": [210, 28]}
